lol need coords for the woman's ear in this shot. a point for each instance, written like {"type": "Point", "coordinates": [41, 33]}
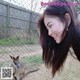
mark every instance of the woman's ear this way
{"type": "Point", "coordinates": [68, 18]}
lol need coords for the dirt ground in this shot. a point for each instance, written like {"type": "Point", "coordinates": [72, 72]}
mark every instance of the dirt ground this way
{"type": "Point", "coordinates": [71, 71]}
{"type": "Point", "coordinates": [41, 74]}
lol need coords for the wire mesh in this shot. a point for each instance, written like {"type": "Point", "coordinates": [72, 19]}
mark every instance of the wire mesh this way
{"type": "Point", "coordinates": [19, 35]}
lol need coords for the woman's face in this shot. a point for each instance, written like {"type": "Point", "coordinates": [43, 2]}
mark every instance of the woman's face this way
{"type": "Point", "coordinates": [55, 27]}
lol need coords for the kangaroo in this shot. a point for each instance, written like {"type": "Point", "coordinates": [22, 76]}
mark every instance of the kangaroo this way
{"type": "Point", "coordinates": [18, 68]}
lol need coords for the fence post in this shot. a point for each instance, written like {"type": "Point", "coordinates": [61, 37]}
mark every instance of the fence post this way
{"type": "Point", "coordinates": [30, 25]}
{"type": "Point", "coordinates": [30, 19]}
{"type": "Point", "coordinates": [8, 21]}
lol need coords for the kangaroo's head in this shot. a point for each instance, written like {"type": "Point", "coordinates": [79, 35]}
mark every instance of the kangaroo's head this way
{"type": "Point", "coordinates": [15, 60]}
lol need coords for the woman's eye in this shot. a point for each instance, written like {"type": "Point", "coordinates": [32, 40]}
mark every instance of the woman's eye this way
{"type": "Point", "coordinates": [50, 26]}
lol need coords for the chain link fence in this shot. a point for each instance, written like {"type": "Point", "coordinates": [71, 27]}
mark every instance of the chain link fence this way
{"type": "Point", "coordinates": [19, 35]}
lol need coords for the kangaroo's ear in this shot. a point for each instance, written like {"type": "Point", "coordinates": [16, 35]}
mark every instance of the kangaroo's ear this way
{"type": "Point", "coordinates": [17, 57]}
{"type": "Point", "coordinates": [11, 57]}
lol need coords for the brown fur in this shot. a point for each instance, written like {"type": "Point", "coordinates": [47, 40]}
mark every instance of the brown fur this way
{"type": "Point", "coordinates": [20, 70]}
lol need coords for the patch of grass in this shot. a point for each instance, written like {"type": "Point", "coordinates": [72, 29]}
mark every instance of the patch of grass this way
{"type": "Point", "coordinates": [16, 41]}
{"type": "Point", "coordinates": [1, 64]}
{"type": "Point", "coordinates": [34, 59]}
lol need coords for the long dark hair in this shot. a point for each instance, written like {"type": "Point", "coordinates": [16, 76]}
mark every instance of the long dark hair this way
{"type": "Point", "coordinates": [55, 54]}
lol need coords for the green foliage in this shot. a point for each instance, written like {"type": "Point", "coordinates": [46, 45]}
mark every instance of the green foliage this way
{"type": "Point", "coordinates": [16, 41]}
{"type": "Point", "coordinates": [34, 59]}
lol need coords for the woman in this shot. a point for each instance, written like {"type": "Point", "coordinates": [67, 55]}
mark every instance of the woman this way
{"type": "Point", "coordinates": [59, 30]}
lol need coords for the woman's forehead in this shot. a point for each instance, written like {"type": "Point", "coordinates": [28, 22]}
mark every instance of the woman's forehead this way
{"type": "Point", "coordinates": [50, 18]}
{"type": "Point", "coordinates": [47, 19]}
